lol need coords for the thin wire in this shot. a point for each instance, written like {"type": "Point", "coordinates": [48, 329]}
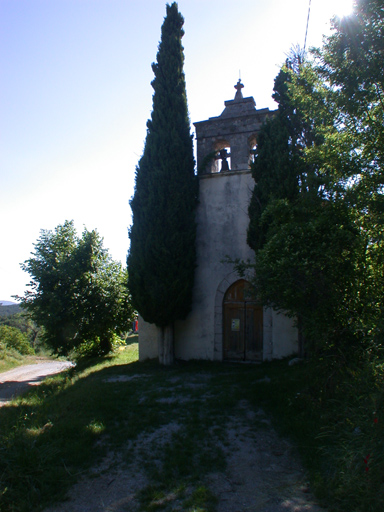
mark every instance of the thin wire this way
{"type": "Point", "coordinates": [306, 30]}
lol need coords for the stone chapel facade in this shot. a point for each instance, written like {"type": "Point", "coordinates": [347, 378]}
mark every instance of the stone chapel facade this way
{"type": "Point", "coordinates": [226, 322]}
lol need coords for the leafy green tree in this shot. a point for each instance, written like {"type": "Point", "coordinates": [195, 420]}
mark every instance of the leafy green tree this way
{"type": "Point", "coordinates": [12, 338]}
{"type": "Point", "coordinates": [316, 218]}
{"type": "Point", "coordinates": [24, 322]}
{"type": "Point", "coordinates": [303, 235]}
{"type": "Point", "coordinates": [77, 292]}
{"type": "Point", "coordinates": [161, 259]}
{"type": "Point", "coordinates": [306, 268]}
{"type": "Point", "coordinates": [351, 62]}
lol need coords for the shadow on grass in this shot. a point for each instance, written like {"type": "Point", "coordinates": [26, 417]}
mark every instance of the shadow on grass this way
{"type": "Point", "coordinates": [11, 389]}
{"type": "Point", "coordinates": [58, 430]}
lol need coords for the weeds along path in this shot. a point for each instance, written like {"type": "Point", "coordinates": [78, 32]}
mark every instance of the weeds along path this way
{"type": "Point", "coordinates": [213, 452]}
{"type": "Point", "coordinates": [16, 381]}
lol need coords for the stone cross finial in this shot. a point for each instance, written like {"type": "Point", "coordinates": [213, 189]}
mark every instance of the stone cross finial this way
{"type": "Point", "coordinates": [238, 87]}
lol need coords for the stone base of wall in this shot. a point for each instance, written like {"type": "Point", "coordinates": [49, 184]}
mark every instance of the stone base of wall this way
{"type": "Point", "coordinates": [192, 341]}
{"type": "Point", "coordinates": [147, 340]}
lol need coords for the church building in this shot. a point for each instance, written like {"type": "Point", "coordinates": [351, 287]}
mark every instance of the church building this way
{"type": "Point", "coordinates": [226, 321]}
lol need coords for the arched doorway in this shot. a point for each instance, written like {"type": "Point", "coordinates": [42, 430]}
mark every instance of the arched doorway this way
{"type": "Point", "coordinates": [242, 323]}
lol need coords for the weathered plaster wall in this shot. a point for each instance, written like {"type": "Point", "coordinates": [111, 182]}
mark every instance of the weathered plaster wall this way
{"type": "Point", "coordinates": [222, 221]}
{"type": "Point", "coordinates": [222, 218]}
{"type": "Point", "coordinates": [284, 336]}
{"type": "Point", "coordinates": [147, 340]}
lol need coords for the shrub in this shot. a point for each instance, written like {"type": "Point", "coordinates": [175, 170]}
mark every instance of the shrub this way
{"type": "Point", "coordinates": [13, 339]}
{"type": "Point", "coordinates": [93, 347]}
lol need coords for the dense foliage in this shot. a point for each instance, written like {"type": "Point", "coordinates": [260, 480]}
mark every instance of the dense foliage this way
{"type": "Point", "coordinates": [161, 258]}
{"type": "Point", "coordinates": [317, 228]}
{"type": "Point", "coordinates": [25, 324]}
{"type": "Point", "coordinates": [316, 215]}
{"type": "Point", "coordinates": [77, 292]}
{"type": "Point", "coordinates": [11, 338]}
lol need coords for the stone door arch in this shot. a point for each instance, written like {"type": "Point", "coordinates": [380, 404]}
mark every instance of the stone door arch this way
{"type": "Point", "coordinates": [242, 324]}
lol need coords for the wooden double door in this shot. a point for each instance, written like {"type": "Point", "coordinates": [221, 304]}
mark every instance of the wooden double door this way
{"type": "Point", "coordinates": [243, 324]}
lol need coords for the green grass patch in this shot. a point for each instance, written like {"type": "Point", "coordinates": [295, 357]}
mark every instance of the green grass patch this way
{"type": "Point", "coordinates": [60, 429]}
{"type": "Point", "coordinates": [10, 359]}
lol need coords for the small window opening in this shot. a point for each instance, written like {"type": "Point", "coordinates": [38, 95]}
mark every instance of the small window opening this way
{"type": "Point", "coordinates": [252, 150]}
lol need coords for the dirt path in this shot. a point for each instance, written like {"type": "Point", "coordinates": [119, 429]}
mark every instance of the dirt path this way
{"type": "Point", "coordinates": [18, 380]}
{"type": "Point", "coordinates": [263, 474]}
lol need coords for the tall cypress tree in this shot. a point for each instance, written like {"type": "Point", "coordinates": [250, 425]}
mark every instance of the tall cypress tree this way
{"type": "Point", "coordinates": [280, 170]}
{"type": "Point", "coordinates": [161, 259]}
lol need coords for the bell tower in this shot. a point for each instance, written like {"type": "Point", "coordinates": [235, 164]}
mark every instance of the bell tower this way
{"type": "Point", "coordinates": [226, 322]}
{"type": "Point", "coordinates": [225, 143]}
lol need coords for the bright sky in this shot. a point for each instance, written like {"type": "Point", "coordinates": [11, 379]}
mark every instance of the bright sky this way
{"type": "Point", "coordinates": [75, 96]}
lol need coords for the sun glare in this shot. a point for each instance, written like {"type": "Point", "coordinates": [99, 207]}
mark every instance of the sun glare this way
{"type": "Point", "coordinates": [341, 8]}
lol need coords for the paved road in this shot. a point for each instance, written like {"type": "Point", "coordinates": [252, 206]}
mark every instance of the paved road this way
{"type": "Point", "coordinates": [19, 379]}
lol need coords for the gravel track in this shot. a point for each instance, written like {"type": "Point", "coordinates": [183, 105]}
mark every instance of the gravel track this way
{"type": "Point", "coordinates": [20, 379]}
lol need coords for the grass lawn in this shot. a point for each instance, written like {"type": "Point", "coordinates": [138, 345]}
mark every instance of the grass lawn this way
{"type": "Point", "coordinates": [14, 359]}
{"type": "Point", "coordinates": [55, 433]}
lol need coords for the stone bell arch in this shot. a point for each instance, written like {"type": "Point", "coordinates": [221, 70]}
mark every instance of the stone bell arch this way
{"type": "Point", "coordinates": [236, 128]}
{"type": "Point", "coordinates": [225, 148]}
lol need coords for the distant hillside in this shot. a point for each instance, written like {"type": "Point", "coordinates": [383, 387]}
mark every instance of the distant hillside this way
{"type": "Point", "coordinates": [11, 309]}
